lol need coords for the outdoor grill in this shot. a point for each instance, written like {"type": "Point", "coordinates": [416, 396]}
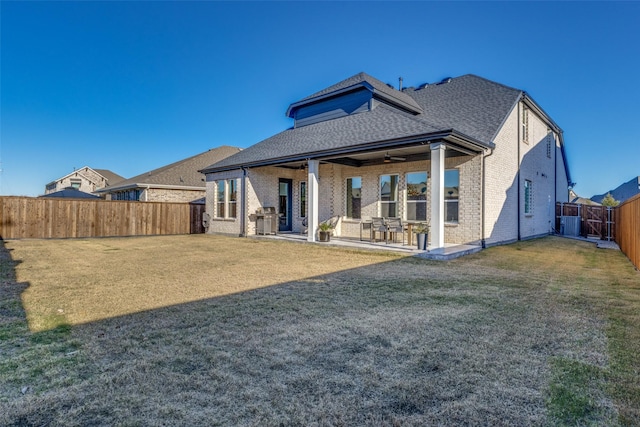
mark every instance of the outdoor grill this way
{"type": "Point", "coordinates": [266, 220]}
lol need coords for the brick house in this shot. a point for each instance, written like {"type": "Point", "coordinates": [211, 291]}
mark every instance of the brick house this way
{"type": "Point", "coordinates": [176, 182]}
{"type": "Point", "coordinates": [482, 162]}
{"type": "Point", "coordinates": [86, 180]}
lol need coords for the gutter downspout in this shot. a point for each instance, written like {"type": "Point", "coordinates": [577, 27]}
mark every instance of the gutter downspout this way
{"type": "Point", "coordinates": [146, 193]}
{"type": "Point", "coordinates": [555, 183]}
{"type": "Point", "coordinates": [518, 173]}
{"type": "Point", "coordinates": [243, 203]}
{"type": "Point", "coordinates": [484, 184]}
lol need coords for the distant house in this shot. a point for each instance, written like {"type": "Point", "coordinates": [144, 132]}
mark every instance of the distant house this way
{"type": "Point", "coordinates": [622, 192]}
{"type": "Point", "coordinates": [481, 161]}
{"type": "Point", "coordinates": [85, 179]}
{"type": "Point", "coordinates": [177, 182]}
{"type": "Point", "coordinates": [574, 198]}
{"type": "Point", "coordinates": [70, 193]}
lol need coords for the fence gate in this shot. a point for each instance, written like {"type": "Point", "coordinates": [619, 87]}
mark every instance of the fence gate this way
{"type": "Point", "coordinates": [574, 219]}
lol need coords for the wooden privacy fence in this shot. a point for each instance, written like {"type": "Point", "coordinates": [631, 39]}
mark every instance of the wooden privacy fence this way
{"type": "Point", "coordinates": [586, 220]}
{"type": "Point", "coordinates": [627, 216]}
{"type": "Point", "coordinates": [42, 218]}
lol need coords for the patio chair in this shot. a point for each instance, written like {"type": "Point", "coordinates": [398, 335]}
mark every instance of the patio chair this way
{"type": "Point", "coordinates": [378, 226]}
{"type": "Point", "coordinates": [395, 226]}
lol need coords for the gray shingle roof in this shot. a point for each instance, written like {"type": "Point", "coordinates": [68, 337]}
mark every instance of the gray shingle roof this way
{"type": "Point", "coordinates": [70, 193]}
{"type": "Point", "coordinates": [469, 105]}
{"type": "Point", "coordinates": [183, 173]}
{"type": "Point", "coordinates": [383, 123]}
{"type": "Point", "coordinates": [112, 178]}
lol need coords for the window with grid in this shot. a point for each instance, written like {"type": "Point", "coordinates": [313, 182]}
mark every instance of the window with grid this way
{"type": "Point", "coordinates": [232, 198]}
{"type": "Point", "coordinates": [525, 125]}
{"type": "Point", "coordinates": [528, 197]}
{"type": "Point", "coordinates": [220, 199]}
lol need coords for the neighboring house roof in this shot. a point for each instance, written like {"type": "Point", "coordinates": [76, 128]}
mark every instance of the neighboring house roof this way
{"type": "Point", "coordinates": [71, 193]}
{"type": "Point", "coordinates": [183, 174]}
{"type": "Point", "coordinates": [574, 198]}
{"type": "Point", "coordinates": [470, 108]}
{"type": "Point", "coordinates": [622, 192]}
{"type": "Point", "coordinates": [111, 177]}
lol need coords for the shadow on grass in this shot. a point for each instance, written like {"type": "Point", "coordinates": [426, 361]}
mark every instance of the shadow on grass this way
{"type": "Point", "coordinates": [367, 346]}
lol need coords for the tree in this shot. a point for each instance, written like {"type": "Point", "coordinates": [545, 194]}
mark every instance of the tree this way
{"type": "Point", "coordinates": [610, 201]}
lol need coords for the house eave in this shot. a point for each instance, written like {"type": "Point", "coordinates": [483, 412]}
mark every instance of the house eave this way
{"type": "Point", "coordinates": [454, 138]}
{"type": "Point", "coordinates": [149, 186]}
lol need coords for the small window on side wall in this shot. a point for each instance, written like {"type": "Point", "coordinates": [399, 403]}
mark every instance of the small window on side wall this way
{"type": "Point", "coordinates": [525, 125]}
{"type": "Point", "coordinates": [528, 197]}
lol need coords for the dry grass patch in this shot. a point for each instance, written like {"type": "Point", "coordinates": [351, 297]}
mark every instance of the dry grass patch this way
{"type": "Point", "coordinates": [79, 281]}
{"type": "Point", "coordinates": [311, 335]}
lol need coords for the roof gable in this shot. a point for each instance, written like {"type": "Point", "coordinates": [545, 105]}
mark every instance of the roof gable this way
{"type": "Point", "coordinates": [470, 104]}
{"type": "Point", "coordinates": [359, 82]}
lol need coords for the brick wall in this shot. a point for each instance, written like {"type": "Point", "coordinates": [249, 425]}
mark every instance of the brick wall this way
{"type": "Point", "coordinates": [168, 195]}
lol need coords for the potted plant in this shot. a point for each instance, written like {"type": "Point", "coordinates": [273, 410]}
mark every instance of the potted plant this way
{"type": "Point", "coordinates": [422, 235]}
{"type": "Point", "coordinates": [324, 233]}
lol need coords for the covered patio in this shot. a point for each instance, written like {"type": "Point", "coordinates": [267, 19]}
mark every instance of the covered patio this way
{"type": "Point", "coordinates": [448, 252]}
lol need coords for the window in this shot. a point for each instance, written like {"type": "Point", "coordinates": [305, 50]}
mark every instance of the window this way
{"type": "Point", "coordinates": [232, 197]}
{"type": "Point", "coordinates": [303, 199]}
{"type": "Point", "coordinates": [417, 196]}
{"type": "Point", "coordinates": [226, 198]}
{"type": "Point", "coordinates": [130, 195]}
{"type": "Point", "coordinates": [549, 140]}
{"type": "Point", "coordinates": [451, 195]}
{"type": "Point", "coordinates": [528, 197]}
{"type": "Point", "coordinates": [389, 195]}
{"type": "Point", "coordinates": [354, 197]}
{"type": "Point", "coordinates": [75, 184]}
{"type": "Point", "coordinates": [525, 125]}
{"type": "Point", "coordinates": [220, 199]}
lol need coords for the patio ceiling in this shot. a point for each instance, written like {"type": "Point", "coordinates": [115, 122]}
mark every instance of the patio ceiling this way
{"type": "Point", "coordinates": [411, 153]}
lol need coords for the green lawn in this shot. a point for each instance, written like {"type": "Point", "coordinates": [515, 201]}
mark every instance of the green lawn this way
{"type": "Point", "coordinates": [208, 330]}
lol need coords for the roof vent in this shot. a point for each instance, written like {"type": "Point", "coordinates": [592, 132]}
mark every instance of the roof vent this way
{"type": "Point", "coordinates": [445, 80]}
{"type": "Point", "coordinates": [423, 85]}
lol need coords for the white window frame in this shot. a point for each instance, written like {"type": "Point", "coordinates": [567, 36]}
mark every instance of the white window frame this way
{"type": "Point", "coordinates": [221, 185]}
{"type": "Point", "coordinates": [232, 205]}
{"type": "Point", "coordinates": [525, 124]}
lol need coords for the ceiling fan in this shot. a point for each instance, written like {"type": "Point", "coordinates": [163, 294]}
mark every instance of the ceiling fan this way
{"type": "Point", "coordinates": [389, 159]}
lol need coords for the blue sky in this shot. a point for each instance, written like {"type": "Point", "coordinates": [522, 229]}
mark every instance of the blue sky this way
{"type": "Point", "coordinates": [132, 86]}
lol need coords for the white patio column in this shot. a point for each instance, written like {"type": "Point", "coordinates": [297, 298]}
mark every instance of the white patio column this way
{"type": "Point", "coordinates": [437, 195]}
{"type": "Point", "coordinates": [312, 197]}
